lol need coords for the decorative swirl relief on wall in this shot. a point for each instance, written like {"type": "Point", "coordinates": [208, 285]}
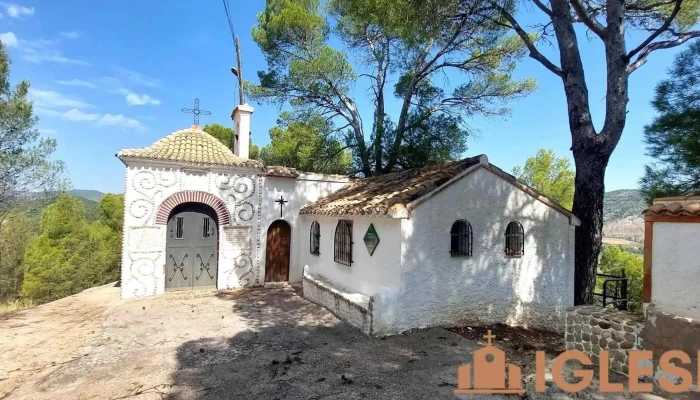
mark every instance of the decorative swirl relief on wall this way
{"type": "Point", "coordinates": [239, 188]}
{"type": "Point", "coordinates": [149, 185]}
{"type": "Point", "coordinates": [237, 245]}
{"type": "Point", "coordinates": [241, 263]}
{"type": "Point", "coordinates": [258, 238]}
{"type": "Point", "coordinates": [142, 273]}
{"type": "Point", "coordinates": [146, 245]}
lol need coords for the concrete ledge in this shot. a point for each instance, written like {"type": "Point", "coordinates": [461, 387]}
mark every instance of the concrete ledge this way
{"type": "Point", "coordinates": [665, 331]}
{"type": "Point", "coordinates": [353, 308]}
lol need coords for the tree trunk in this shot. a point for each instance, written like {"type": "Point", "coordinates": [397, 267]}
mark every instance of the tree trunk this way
{"type": "Point", "coordinates": [588, 207]}
{"type": "Point", "coordinates": [379, 130]}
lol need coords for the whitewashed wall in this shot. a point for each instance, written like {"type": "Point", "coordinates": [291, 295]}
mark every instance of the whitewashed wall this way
{"type": "Point", "coordinates": [437, 289]}
{"type": "Point", "coordinates": [143, 254]}
{"type": "Point", "coordinates": [370, 275]}
{"type": "Point", "coordinates": [675, 268]}
{"type": "Point", "coordinates": [299, 192]}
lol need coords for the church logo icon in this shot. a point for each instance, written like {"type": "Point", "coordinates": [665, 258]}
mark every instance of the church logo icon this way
{"type": "Point", "coordinates": [489, 373]}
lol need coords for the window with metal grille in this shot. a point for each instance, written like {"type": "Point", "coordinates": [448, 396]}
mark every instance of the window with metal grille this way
{"type": "Point", "coordinates": [179, 225]}
{"type": "Point", "coordinates": [343, 243]}
{"type": "Point", "coordinates": [515, 239]}
{"type": "Point", "coordinates": [315, 238]}
{"type": "Point", "coordinates": [461, 239]}
{"type": "Point", "coordinates": [206, 232]}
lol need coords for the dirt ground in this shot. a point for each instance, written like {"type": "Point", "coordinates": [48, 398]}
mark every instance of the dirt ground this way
{"type": "Point", "coordinates": [263, 343]}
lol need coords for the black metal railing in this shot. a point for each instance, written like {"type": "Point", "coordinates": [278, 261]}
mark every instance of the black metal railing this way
{"type": "Point", "coordinates": [614, 291]}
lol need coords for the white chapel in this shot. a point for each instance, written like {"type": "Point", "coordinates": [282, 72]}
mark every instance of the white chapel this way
{"type": "Point", "coordinates": [454, 243]}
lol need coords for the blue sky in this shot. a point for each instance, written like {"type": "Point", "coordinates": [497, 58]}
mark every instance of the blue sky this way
{"type": "Point", "coordinates": [112, 75]}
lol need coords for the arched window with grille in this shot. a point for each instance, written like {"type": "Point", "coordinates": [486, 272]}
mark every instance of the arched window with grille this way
{"type": "Point", "coordinates": [315, 238]}
{"type": "Point", "coordinates": [343, 243]}
{"type": "Point", "coordinates": [515, 239]}
{"type": "Point", "coordinates": [461, 239]}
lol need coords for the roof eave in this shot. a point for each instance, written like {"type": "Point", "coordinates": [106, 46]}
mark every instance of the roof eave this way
{"type": "Point", "coordinates": [185, 164]}
{"type": "Point", "coordinates": [399, 213]}
{"type": "Point", "coordinates": [483, 160]}
{"type": "Point", "coordinates": [548, 201]}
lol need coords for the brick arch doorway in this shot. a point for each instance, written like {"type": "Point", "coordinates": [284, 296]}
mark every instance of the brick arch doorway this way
{"type": "Point", "coordinates": [278, 249]}
{"type": "Point", "coordinates": [192, 246]}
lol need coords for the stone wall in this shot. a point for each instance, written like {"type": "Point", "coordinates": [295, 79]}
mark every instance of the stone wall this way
{"type": "Point", "coordinates": [353, 308]}
{"type": "Point", "coordinates": [592, 329]}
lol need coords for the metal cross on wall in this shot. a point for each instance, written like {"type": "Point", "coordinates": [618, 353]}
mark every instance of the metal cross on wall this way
{"type": "Point", "coordinates": [281, 202]}
{"type": "Point", "coordinates": [196, 111]}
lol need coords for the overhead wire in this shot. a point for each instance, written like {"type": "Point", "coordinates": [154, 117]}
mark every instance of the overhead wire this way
{"type": "Point", "coordinates": [227, 10]}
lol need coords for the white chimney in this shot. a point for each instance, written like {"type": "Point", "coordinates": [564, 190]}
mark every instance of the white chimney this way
{"type": "Point", "coordinates": [241, 118]}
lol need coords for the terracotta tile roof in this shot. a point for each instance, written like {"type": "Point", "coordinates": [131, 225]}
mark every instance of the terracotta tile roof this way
{"type": "Point", "coordinates": [675, 209]}
{"type": "Point", "coordinates": [391, 194]}
{"type": "Point", "coordinates": [191, 145]}
{"type": "Point", "coordinates": [388, 193]}
{"type": "Point", "coordinates": [282, 172]}
{"type": "Point", "coordinates": [691, 197]}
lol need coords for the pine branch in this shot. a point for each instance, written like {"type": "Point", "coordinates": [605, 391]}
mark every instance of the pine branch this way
{"type": "Point", "coordinates": [586, 18]}
{"type": "Point", "coordinates": [656, 33]}
{"type": "Point", "coordinates": [666, 44]}
{"type": "Point", "coordinates": [534, 53]}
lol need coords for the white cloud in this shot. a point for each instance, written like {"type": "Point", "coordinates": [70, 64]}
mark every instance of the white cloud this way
{"type": "Point", "coordinates": [70, 34]}
{"type": "Point", "coordinates": [136, 77]}
{"type": "Point", "coordinates": [140, 100]}
{"type": "Point", "coordinates": [39, 58]}
{"type": "Point", "coordinates": [71, 115]}
{"type": "Point", "coordinates": [15, 11]}
{"type": "Point", "coordinates": [47, 98]}
{"type": "Point", "coordinates": [9, 39]}
{"type": "Point", "coordinates": [120, 121]}
{"type": "Point", "coordinates": [40, 50]}
{"type": "Point", "coordinates": [102, 120]}
{"type": "Point", "coordinates": [76, 82]}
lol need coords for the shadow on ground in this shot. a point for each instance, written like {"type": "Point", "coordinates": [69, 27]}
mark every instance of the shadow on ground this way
{"type": "Point", "coordinates": [297, 350]}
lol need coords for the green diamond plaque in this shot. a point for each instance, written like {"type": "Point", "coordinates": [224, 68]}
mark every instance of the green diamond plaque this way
{"type": "Point", "coordinates": [371, 239]}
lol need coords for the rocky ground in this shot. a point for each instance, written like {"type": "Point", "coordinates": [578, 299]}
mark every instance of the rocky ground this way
{"type": "Point", "coordinates": [265, 343]}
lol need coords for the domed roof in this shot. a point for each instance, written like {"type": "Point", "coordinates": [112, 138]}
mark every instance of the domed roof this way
{"type": "Point", "coordinates": [192, 146]}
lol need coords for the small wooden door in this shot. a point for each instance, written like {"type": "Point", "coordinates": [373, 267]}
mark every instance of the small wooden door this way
{"type": "Point", "coordinates": [277, 254]}
{"type": "Point", "coordinates": [191, 248]}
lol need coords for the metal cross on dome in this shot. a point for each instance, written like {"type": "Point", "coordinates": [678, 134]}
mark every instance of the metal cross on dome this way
{"type": "Point", "coordinates": [281, 202]}
{"type": "Point", "coordinates": [196, 111]}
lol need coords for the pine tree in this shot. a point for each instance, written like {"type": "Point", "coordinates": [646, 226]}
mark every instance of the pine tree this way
{"type": "Point", "coordinates": [27, 171]}
{"type": "Point", "coordinates": [673, 138]}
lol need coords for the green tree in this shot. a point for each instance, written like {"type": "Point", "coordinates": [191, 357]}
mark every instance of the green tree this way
{"type": "Point", "coordinates": [550, 175]}
{"type": "Point", "coordinates": [110, 211]}
{"type": "Point", "coordinates": [107, 233]}
{"type": "Point", "coordinates": [28, 177]}
{"type": "Point", "coordinates": [438, 138]}
{"type": "Point", "coordinates": [18, 231]}
{"type": "Point", "coordinates": [616, 261]}
{"type": "Point", "coordinates": [52, 259]}
{"type": "Point", "coordinates": [309, 67]}
{"type": "Point", "coordinates": [673, 138]}
{"type": "Point", "coordinates": [227, 136]}
{"type": "Point", "coordinates": [656, 25]}
{"type": "Point", "coordinates": [305, 146]}
{"type": "Point", "coordinates": [71, 255]}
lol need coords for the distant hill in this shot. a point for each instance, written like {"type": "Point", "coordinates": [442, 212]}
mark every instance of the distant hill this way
{"type": "Point", "coordinates": [90, 208]}
{"type": "Point", "coordinates": [622, 216]}
{"type": "Point", "coordinates": [623, 203]}
{"type": "Point", "coordinates": [93, 195]}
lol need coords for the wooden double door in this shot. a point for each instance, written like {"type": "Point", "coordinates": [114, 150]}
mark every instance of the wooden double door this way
{"type": "Point", "coordinates": [279, 236]}
{"type": "Point", "coordinates": [191, 248]}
